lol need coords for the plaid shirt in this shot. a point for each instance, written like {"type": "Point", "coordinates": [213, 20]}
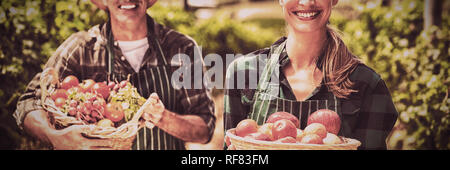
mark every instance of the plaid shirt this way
{"type": "Point", "coordinates": [368, 115]}
{"type": "Point", "coordinates": [84, 55]}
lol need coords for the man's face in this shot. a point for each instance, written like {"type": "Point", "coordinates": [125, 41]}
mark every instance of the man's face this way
{"type": "Point", "coordinates": [307, 15]}
{"type": "Point", "coordinates": [127, 11]}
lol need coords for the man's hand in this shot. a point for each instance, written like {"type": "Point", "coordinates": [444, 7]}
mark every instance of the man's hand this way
{"type": "Point", "coordinates": [154, 111]}
{"type": "Point", "coordinates": [189, 128]}
{"type": "Point", "coordinates": [71, 138]}
{"type": "Point", "coordinates": [36, 123]}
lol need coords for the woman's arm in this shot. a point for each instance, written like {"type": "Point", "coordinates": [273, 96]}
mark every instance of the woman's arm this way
{"type": "Point", "coordinates": [377, 118]}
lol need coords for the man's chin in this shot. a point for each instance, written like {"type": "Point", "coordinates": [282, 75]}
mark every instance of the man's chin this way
{"type": "Point", "coordinates": [130, 19]}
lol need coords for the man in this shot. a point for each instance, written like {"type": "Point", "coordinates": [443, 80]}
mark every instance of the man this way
{"type": "Point", "coordinates": [134, 45]}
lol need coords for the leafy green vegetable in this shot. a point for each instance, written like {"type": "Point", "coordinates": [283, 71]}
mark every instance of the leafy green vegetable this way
{"type": "Point", "coordinates": [130, 99]}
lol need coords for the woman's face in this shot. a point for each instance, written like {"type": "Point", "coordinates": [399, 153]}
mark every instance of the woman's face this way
{"type": "Point", "coordinates": [307, 15]}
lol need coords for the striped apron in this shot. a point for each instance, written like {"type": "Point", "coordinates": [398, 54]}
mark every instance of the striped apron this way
{"type": "Point", "coordinates": [269, 97]}
{"type": "Point", "coordinates": [156, 79]}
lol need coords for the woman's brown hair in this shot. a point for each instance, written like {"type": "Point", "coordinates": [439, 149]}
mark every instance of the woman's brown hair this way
{"type": "Point", "coordinates": [337, 64]}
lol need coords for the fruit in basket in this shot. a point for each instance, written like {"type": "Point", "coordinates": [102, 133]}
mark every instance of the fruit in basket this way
{"type": "Point", "coordinates": [266, 129]}
{"type": "Point", "coordinates": [72, 111]}
{"type": "Point", "coordinates": [59, 93]}
{"type": "Point", "coordinates": [102, 89]}
{"type": "Point", "coordinates": [87, 101]}
{"type": "Point", "coordinates": [311, 139]}
{"type": "Point", "coordinates": [316, 128]}
{"type": "Point", "coordinates": [87, 85]}
{"type": "Point", "coordinates": [69, 82]}
{"type": "Point", "coordinates": [283, 128]}
{"type": "Point", "coordinates": [300, 135]}
{"type": "Point", "coordinates": [111, 85]}
{"type": "Point", "coordinates": [105, 123]}
{"type": "Point", "coordinates": [332, 139]}
{"type": "Point", "coordinates": [283, 115]}
{"type": "Point", "coordinates": [74, 89]}
{"type": "Point", "coordinates": [128, 96]}
{"type": "Point", "coordinates": [246, 127]}
{"type": "Point", "coordinates": [287, 139]}
{"type": "Point", "coordinates": [258, 136]}
{"type": "Point", "coordinates": [328, 118]}
{"type": "Point", "coordinates": [59, 102]}
{"type": "Point", "coordinates": [114, 112]}
{"type": "Point", "coordinates": [123, 83]}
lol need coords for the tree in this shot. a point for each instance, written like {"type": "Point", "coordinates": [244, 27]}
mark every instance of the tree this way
{"type": "Point", "coordinates": [433, 13]}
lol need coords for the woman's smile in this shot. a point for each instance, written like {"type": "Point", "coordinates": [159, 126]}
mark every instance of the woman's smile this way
{"type": "Point", "coordinates": [306, 15]}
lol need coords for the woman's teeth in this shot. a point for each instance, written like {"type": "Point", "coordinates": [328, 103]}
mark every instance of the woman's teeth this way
{"type": "Point", "coordinates": [307, 14]}
{"type": "Point", "coordinates": [127, 6]}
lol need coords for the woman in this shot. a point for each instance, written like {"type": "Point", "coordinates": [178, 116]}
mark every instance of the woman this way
{"type": "Point", "coordinates": [315, 70]}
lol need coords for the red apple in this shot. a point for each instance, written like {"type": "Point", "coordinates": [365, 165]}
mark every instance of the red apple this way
{"type": "Point", "coordinates": [69, 81]}
{"type": "Point", "coordinates": [311, 139]}
{"type": "Point", "coordinates": [316, 128]}
{"type": "Point", "coordinates": [328, 118]}
{"type": "Point", "coordinates": [258, 136]}
{"type": "Point", "coordinates": [267, 129]}
{"type": "Point", "coordinates": [332, 139]}
{"type": "Point", "coordinates": [102, 89]}
{"type": "Point", "coordinates": [87, 85]}
{"type": "Point", "coordinates": [283, 128]}
{"type": "Point", "coordinates": [283, 115]}
{"type": "Point", "coordinates": [300, 135]}
{"type": "Point", "coordinates": [245, 127]}
{"type": "Point", "coordinates": [59, 93]}
{"type": "Point", "coordinates": [287, 139]}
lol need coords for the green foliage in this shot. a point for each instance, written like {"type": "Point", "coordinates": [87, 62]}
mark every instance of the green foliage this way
{"type": "Point", "coordinates": [231, 36]}
{"type": "Point", "coordinates": [413, 62]}
{"type": "Point", "coordinates": [31, 32]}
{"type": "Point", "coordinates": [220, 34]}
{"type": "Point", "coordinates": [390, 39]}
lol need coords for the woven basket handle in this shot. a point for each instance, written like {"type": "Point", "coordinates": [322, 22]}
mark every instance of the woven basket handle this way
{"type": "Point", "coordinates": [48, 80]}
{"type": "Point", "coordinates": [140, 112]}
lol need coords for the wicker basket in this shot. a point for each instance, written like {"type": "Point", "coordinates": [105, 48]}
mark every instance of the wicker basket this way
{"type": "Point", "coordinates": [250, 144]}
{"type": "Point", "coordinates": [120, 138]}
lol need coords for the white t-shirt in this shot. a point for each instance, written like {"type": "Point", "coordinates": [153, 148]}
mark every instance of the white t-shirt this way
{"type": "Point", "coordinates": [134, 51]}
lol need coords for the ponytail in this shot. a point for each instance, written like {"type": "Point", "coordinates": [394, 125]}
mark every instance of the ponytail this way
{"type": "Point", "coordinates": [337, 64]}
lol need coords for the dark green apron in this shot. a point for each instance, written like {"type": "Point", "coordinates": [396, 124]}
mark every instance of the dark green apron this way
{"type": "Point", "coordinates": [156, 79]}
{"type": "Point", "coordinates": [269, 97]}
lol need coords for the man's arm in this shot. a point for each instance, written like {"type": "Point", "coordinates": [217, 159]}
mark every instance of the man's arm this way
{"type": "Point", "coordinates": [64, 61]}
{"type": "Point", "coordinates": [194, 121]}
{"type": "Point", "coordinates": [30, 115]}
{"type": "Point", "coordinates": [37, 123]}
{"type": "Point", "coordinates": [189, 128]}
